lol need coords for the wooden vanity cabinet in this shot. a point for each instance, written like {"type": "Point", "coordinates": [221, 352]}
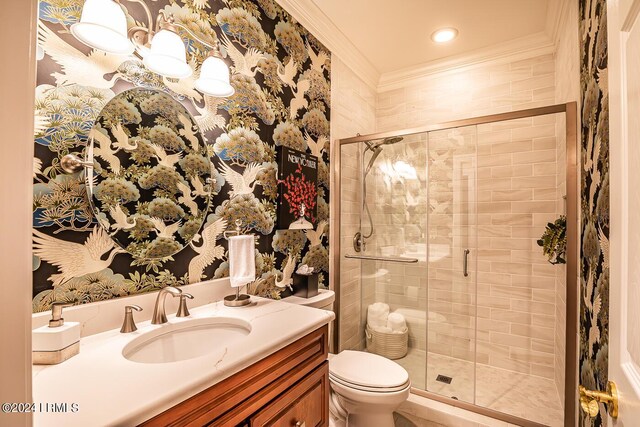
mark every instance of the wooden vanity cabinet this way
{"type": "Point", "coordinates": [288, 388]}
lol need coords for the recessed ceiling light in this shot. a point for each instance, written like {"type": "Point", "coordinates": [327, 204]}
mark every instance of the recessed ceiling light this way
{"type": "Point", "coordinates": [444, 35]}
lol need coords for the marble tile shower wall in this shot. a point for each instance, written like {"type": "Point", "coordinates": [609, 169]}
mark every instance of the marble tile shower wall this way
{"type": "Point", "coordinates": [517, 193]}
{"type": "Point", "coordinates": [463, 93]}
{"type": "Point", "coordinates": [353, 111]}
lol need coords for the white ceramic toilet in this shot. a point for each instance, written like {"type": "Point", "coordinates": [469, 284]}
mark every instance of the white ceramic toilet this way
{"type": "Point", "coordinates": [365, 388]}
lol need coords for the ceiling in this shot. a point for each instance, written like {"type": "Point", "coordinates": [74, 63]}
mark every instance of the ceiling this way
{"type": "Point", "coordinates": [396, 38]}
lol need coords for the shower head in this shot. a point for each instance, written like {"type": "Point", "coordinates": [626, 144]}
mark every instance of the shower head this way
{"type": "Point", "coordinates": [392, 140]}
{"type": "Point", "coordinates": [376, 149]}
{"type": "Point", "coordinates": [373, 145]}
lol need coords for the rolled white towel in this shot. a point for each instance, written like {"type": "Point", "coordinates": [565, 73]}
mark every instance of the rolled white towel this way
{"type": "Point", "coordinates": [385, 329]}
{"type": "Point", "coordinates": [396, 322]}
{"type": "Point", "coordinates": [377, 314]}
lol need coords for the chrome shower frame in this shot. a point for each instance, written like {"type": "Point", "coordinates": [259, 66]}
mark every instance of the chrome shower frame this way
{"type": "Point", "coordinates": [571, 356]}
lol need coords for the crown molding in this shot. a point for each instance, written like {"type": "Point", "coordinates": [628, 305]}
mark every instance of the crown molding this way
{"type": "Point", "coordinates": [307, 13]}
{"type": "Point", "coordinates": [513, 50]}
{"type": "Point", "coordinates": [557, 15]}
{"type": "Point", "coordinates": [315, 21]}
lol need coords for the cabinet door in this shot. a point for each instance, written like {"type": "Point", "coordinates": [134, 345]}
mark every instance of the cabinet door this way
{"type": "Point", "coordinates": [306, 404]}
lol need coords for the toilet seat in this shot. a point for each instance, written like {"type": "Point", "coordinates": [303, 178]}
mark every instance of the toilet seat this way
{"type": "Point", "coordinates": [335, 379]}
{"type": "Point", "coordinates": [367, 372]}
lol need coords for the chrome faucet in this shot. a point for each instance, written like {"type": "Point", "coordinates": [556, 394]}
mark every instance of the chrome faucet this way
{"type": "Point", "coordinates": [159, 314]}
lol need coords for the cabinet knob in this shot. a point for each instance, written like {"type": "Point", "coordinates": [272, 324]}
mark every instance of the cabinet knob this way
{"type": "Point", "coordinates": [299, 424]}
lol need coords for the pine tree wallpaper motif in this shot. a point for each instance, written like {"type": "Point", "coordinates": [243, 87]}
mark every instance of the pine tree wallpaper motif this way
{"type": "Point", "coordinates": [281, 75]}
{"type": "Point", "coordinates": [594, 277]}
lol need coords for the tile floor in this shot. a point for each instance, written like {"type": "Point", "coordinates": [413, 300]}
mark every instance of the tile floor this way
{"type": "Point", "coordinates": [526, 396]}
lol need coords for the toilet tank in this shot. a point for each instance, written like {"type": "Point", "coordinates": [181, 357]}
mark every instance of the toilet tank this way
{"type": "Point", "coordinates": [324, 300]}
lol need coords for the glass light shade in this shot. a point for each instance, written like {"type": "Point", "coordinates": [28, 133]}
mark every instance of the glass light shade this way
{"type": "Point", "coordinates": [103, 25]}
{"type": "Point", "coordinates": [167, 56]}
{"type": "Point", "coordinates": [214, 78]}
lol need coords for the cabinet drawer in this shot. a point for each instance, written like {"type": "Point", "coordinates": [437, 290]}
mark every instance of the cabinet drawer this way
{"type": "Point", "coordinates": [305, 404]}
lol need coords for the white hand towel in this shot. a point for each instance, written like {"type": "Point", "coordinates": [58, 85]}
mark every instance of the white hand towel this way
{"type": "Point", "coordinates": [383, 329]}
{"type": "Point", "coordinates": [242, 260]}
{"type": "Point", "coordinates": [396, 322]}
{"type": "Point", "coordinates": [377, 314]}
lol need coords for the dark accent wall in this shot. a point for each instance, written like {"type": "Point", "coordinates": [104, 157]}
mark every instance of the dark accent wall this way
{"type": "Point", "coordinates": [594, 268]}
{"type": "Point", "coordinates": [275, 63]}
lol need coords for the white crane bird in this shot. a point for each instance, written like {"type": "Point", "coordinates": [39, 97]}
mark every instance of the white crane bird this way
{"type": "Point", "coordinates": [198, 186]}
{"type": "Point", "coordinates": [121, 219]}
{"type": "Point", "coordinates": [241, 184]}
{"type": "Point", "coordinates": [299, 101]}
{"type": "Point", "coordinates": [165, 159]}
{"type": "Point", "coordinates": [209, 118]}
{"type": "Point", "coordinates": [315, 236]}
{"type": "Point", "coordinates": [75, 259]}
{"type": "Point", "coordinates": [287, 73]}
{"type": "Point", "coordinates": [122, 139]}
{"type": "Point", "coordinates": [242, 63]}
{"type": "Point", "coordinates": [164, 230]}
{"type": "Point", "coordinates": [317, 61]}
{"type": "Point", "coordinates": [104, 150]}
{"type": "Point", "coordinates": [316, 147]}
{"type": "Point", "coordinates": [84, 70]}
{"type": "Point", "coordinates": [188, 132]}
{"type": "Point", "coordinates": [208, 251]}
{"type": "Point", "coordinates": [287, 271]}
{"type": "Point", "coordinates": [186, 198]}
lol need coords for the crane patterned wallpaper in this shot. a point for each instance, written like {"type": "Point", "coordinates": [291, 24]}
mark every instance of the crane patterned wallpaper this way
{"type": "Point", "coordinates": [281, 76]}
{"type": "Point", "coordinates": [594, 257]}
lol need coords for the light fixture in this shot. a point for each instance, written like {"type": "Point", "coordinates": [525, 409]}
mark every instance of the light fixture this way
{"type": "Point", "coordinates": [214, 77]}
{"type": "Point", "coordinates": [444, 35]}
{"type": "Point", "coordinates": [167, 56]}
{"type": "Point", "coordinates": [103, 26]}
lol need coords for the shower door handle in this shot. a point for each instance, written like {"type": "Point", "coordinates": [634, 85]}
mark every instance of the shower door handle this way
{"type": "Point", "coordinates": [465, 263]}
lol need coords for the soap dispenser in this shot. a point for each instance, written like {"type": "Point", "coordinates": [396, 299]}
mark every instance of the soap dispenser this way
{"type": "Point", "coordinates": [57, 341]}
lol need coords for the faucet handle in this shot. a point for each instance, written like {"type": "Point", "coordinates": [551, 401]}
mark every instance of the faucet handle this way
{"type": "Point", "coordinates": [183, 310]}
{"type": "Point", "coordinates": [129, 325]}
{"type": "Point", "coordinates": [56, 313]}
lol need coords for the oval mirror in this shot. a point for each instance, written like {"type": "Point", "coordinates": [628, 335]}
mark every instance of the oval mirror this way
{"type": "Point", "coordinates": [150, 183]}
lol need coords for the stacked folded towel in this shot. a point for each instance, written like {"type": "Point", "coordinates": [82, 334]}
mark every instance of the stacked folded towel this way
{"type": "Point", "coordinates": [380, 320]}
{"type": "Point", "coordinates": [396, 322]}
{"type": "Point", "coordinates": [377, 315]}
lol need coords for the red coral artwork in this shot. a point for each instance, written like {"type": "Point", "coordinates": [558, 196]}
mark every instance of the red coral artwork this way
{"type": "Point", "coordinates": [300, 191]}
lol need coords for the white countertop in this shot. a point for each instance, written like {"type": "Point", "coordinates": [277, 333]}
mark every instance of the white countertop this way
{"type": "Point", "coordinates": [111, 390]}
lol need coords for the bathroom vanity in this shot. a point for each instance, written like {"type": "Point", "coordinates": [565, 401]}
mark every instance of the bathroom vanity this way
{"type": "Point", "coordinates": [287, 388]}
{"type": "Point", "coordinates": [267, 366]}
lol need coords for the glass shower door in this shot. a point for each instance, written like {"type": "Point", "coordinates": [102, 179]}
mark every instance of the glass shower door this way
{"type": "Point", "coordinates": [452, 254]}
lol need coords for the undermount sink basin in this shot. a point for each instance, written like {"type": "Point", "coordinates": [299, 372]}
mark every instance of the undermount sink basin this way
{"type": "Point", "coordinates": [174, 342]}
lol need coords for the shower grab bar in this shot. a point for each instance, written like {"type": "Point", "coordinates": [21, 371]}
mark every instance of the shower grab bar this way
{"type": "Point", "coordinates": [383, 258]}
{"type": "Point", "coordinates": [465, 263]}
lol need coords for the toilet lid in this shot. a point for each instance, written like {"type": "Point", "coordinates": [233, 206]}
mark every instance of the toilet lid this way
{"type": "Point", "coordinates": [367, 370]}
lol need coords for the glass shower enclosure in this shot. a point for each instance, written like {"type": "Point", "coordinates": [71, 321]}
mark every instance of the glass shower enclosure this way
{"type": "Point", "coordinates": [441, 224]}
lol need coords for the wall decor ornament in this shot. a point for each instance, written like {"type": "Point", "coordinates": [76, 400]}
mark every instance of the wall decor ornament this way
{"type": "Point", "coordinates": [280, 75]}
{"type": "Point", "coordinates": [298, 189]}
{"type": "Point", "coordinates": [150, 176]}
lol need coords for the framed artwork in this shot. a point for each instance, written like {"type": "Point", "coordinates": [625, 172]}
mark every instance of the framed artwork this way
{"type": "Point", "coordinates": [297, 189]}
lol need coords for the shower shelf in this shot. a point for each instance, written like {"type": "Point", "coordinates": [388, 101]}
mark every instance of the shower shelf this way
{"type": "Point", "coordinates": [383, 258]}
